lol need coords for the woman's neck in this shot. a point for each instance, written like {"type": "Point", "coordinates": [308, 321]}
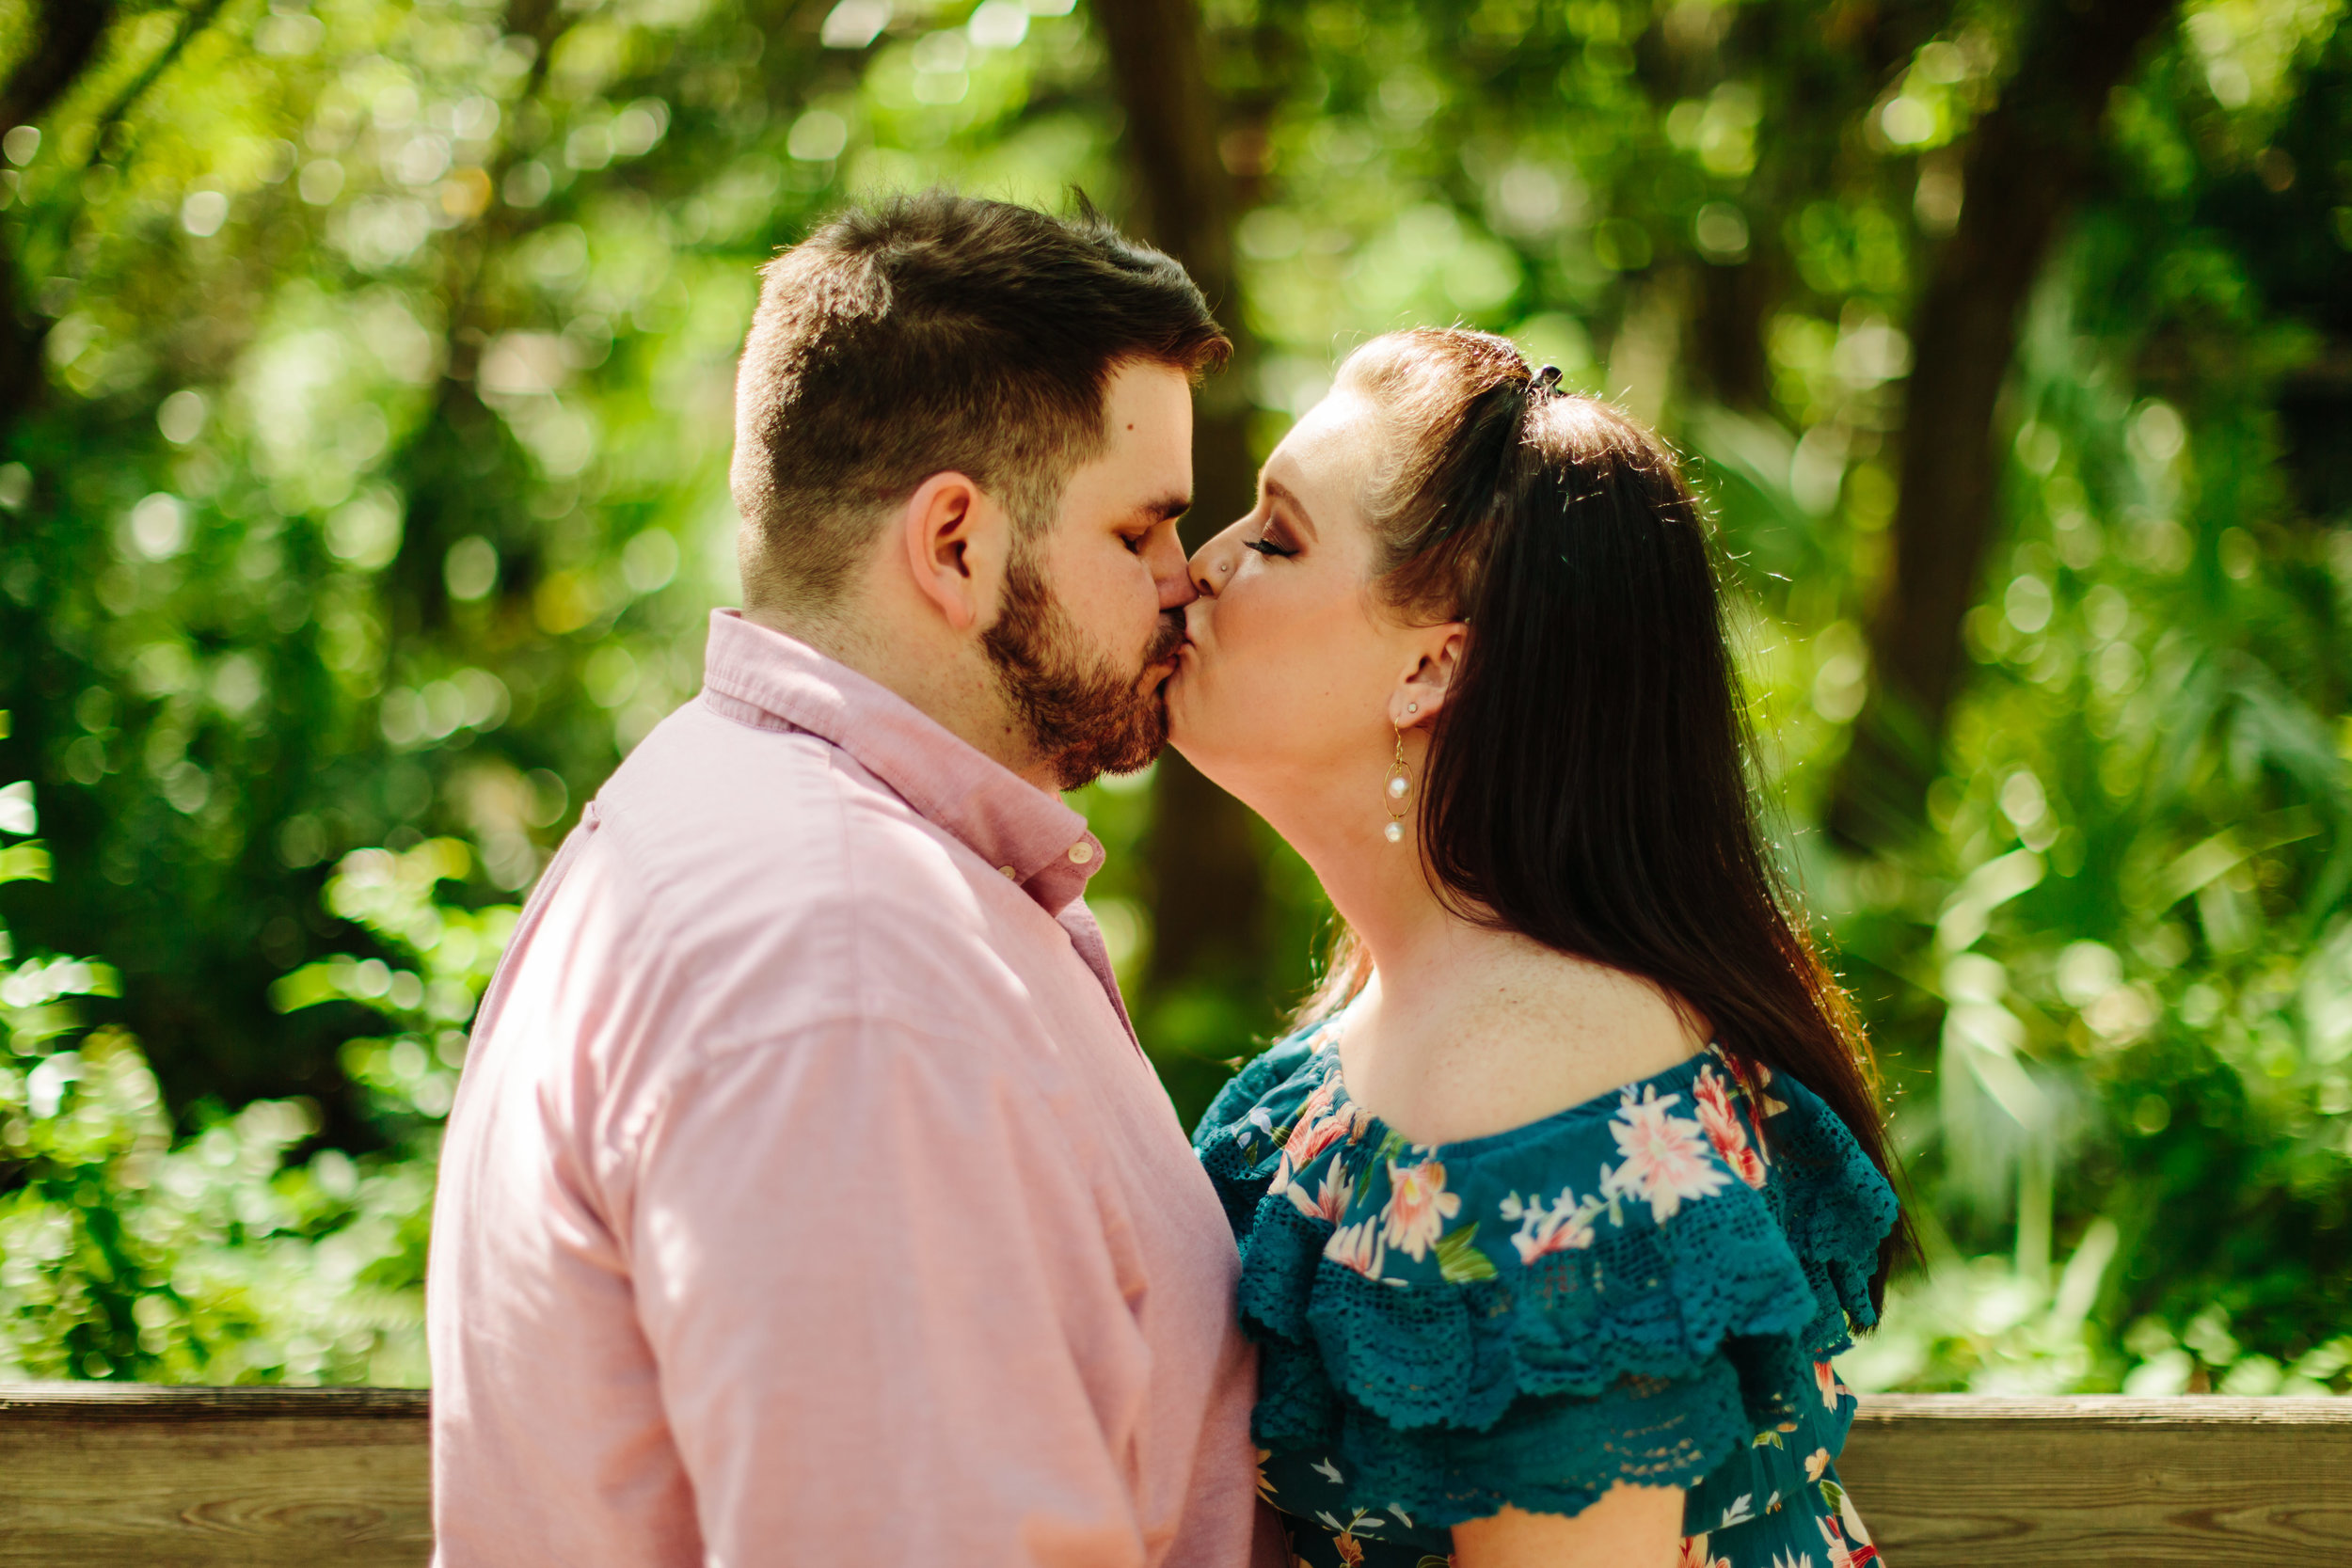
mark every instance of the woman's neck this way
{"type": "Point", "coordinates": [1463, 1029]}
{"type": "Point", "coordinates": [1379, 888]}
{"type": "Point", "coordinates": [1433, 965]}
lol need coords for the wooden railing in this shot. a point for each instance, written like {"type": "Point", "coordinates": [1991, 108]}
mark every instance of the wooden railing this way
{"type": "Point", "coordinates": [116, 1475]}
{"type": "Point", "coordinates": [112, 1475]}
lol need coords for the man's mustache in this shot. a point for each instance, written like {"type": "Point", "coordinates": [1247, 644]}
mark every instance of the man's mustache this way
{"type": "Point", "coordinates": [1171, 637]}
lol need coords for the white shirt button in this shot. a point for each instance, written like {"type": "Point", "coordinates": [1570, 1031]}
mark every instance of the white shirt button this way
{"type": "Point", "coordinates": [1008, 873]}
{"type": "Point", "coordinates": [1081, 852]}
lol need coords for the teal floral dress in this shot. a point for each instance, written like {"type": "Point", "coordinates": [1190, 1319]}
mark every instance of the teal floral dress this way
{"type": "Point", "coordinates": [1646, 1287]}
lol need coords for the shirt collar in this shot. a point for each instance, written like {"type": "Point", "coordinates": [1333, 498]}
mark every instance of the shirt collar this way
{"type": "Point", "coordinates": [1027, 834]}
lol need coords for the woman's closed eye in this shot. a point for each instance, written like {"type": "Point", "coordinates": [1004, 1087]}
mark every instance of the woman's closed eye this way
{"type": "Point", "coordinates": [1265, 543]}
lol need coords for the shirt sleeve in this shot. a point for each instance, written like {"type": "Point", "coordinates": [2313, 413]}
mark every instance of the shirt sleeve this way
{"type": "Point", "coordinates": [887, 1323]}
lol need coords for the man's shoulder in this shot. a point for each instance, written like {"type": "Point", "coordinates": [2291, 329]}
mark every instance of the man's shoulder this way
{"type": "Point", "coordinates": [773, 847]}
{"type": "Point", "coordinates": [706, 794]}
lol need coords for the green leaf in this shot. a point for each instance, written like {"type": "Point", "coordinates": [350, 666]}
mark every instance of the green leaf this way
{"type": "Point", "coordinates": [309, 986]}
{"type": "Point", "coordinates": [2226, 850]}
{"type": "Point", "coordinates": [1458, 1261]}
{"type": "Point", "coordinates": [24, 862]}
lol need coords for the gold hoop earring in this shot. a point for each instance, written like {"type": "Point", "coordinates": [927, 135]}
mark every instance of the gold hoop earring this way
{"type": "Point", "coordinates": [1393, 793]}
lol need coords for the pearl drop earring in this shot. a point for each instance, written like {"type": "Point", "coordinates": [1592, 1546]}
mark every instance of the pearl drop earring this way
{"type": "Point", "coordinates": [1399, 785]}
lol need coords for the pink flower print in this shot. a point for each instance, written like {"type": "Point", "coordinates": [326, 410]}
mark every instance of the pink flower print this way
{"type": "Point", "coordinates": [1665, 1156]}
{"type": "Point", "coordinates": [1863, 1551]}
{"type": "Point", "coordinates": [1755, 1078]}
{"type": "Point", "coordinates": [1566, 1224]}
{"type": "Point", "coordinates": [1358, 1247]}
{"type": "Point", "coordinates": [1694, 1554]}
{"type": "Point", "coordinates": [1318, 1126]}
{"type": "Point", "coordinates": [1815, 1462]}
{"type": "Point", "coordinates": [1348, 1539]}
{"type": "Point", "coordinates": [1825, 1379]}
{"type": "Point", "coordinates": [1418, 1208]}
{"type": "Point", "coordinates": [1331, 1199]}
{"type": "Point", "coordinates": [1721, 1124]}
{"type": "Point", "coordinates": [1841, 1555]}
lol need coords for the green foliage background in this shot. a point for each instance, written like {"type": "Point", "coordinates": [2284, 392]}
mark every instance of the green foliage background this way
{"type": "Point", "coordinates": [372, 498]}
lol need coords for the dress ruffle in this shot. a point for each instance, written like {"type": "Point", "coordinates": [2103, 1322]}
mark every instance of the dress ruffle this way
{"type": "Point", "coordinates": [1665, 1297]}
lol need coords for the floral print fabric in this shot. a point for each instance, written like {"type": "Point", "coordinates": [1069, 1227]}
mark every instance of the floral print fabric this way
{"type": "Point", "coordinates": [1643, 1289]}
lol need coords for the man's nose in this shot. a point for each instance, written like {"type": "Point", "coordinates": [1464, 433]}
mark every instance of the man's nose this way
{"type": "Point", "coordinates": [1172, 573]}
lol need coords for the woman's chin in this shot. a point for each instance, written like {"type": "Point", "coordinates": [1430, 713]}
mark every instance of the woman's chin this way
{"type": "Point", "coordinates": [1195, 741]}
{"type": "Point", "coordinates": [1183, 721]}
{"type": "Point", "coordinates": [1192, 718]}
{"type": "Point", "coordinates": [1179, 731]}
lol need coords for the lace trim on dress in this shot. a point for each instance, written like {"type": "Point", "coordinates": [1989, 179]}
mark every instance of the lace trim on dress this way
{"type": "Point", "coordinates": [1629, 1291]}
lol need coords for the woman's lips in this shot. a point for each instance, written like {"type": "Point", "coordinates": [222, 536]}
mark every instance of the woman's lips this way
{"type": "Point", "coordinates": [1168, 667]}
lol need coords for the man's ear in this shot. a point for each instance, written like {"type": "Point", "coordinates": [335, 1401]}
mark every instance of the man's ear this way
{"type": "Point", "coordinates": [1422, 692]}
{"type": "Point", "coordinates": [955, 539]}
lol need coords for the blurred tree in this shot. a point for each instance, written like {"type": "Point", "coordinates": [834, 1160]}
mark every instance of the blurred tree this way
{"type": "Point", "coordinates": [1207, 893]}
{"type": "Point", "coordinates": [362, 488]}
{"type": "Point", "coordinates": [2021, 168]}
{"type": "Point", "coordinates": [62, 37]}
{"type": "Point", "coordinates": [325, 534]}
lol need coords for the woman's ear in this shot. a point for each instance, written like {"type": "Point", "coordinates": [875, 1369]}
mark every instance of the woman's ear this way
{"type": "Point", "coordinates": [1422, 692]}
{"type": "Point", "coordinates": [954, 542]}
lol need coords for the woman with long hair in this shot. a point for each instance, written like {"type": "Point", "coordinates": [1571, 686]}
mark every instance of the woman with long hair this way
{"type": "Point", "coordinates": [1573, 1178]}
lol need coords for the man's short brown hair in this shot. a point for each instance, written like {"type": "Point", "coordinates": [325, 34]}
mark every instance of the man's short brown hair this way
{"type": "Point", "coordinates": [924, 333]}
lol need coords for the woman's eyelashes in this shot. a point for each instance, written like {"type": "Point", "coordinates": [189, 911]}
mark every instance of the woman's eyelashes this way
{"type": "Point", "coordinates": [1270, 544]}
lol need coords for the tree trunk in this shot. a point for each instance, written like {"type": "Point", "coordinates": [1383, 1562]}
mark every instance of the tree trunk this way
{"type": "Point", "coordinates": [2026, 164]}
{"type": "Point", "coordinates": [68, 31]}
{"type": "Point", "coordinates": [1208, 894]}
{"type": "Point", "coordinates": [1727, 335]}
{"type": "Point", "coordinates": [67, 34]}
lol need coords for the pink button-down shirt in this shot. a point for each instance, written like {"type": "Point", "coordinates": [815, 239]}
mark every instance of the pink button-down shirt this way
{"type": "Point", "coordinates": [807, 1200]}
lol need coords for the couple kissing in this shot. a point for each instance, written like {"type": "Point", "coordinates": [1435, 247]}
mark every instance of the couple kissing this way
{"type": "Point", "coordinates": [808, 1197]}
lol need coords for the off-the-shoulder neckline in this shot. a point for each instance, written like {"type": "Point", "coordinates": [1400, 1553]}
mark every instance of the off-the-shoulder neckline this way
{"type": "Point", "coordinates": [1323, 1041]}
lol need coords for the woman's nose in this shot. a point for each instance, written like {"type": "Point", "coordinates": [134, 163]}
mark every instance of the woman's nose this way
{"type": "Point", "coordinates": [1212, 565]}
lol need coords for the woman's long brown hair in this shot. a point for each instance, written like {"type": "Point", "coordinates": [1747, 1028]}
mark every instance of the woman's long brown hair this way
{"type": "Point", "coordinates": [1586, 782]}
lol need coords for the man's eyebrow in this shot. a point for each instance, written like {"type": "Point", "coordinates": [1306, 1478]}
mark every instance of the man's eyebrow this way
{"type": "Point", "coordinates": [1280, 492]}
{"type": "Point", "coordinates": [1163, 508]}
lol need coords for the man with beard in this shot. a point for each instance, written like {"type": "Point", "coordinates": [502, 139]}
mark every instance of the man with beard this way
{"type": "Point", "coordinates": [807, 1198]}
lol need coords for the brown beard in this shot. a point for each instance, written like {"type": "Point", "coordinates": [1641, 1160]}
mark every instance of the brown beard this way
{"type": "Point", "coordinates": [1084, 717]}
